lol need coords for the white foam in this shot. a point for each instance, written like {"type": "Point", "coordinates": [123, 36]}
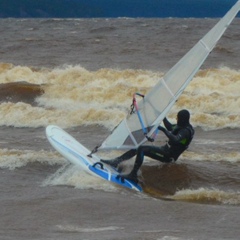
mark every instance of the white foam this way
{"type": "Point", "coordinates": [71, 175]}
{"type": "Point", "coordinates": [208, 195]}
{"type": "Point", "coordinates": [233, 156]}
{"type": "Point", "coordinates": [14, 158]}
{"type": "Point", "coordinates": [72, 228]}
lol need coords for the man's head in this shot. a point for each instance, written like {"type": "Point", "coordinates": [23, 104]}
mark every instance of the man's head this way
{"type": "Point", "coordinates": [183, 118]}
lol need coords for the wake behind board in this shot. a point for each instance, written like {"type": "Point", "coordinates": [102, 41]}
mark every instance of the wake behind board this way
{"type": "Point", "coordinates": [77, 154]}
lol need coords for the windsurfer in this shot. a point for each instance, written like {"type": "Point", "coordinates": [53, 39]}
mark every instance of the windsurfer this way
{"type": "Point", "coordinates": [179, 136]}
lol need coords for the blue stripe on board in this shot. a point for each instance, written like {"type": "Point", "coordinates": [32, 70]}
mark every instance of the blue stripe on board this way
{"type": "Point", "coordinates": [103, 173]}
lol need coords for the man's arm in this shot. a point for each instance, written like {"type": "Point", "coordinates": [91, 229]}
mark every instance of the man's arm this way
{"type": "Point", "coordinates": [184, 133]}
{"type": "Point", "coordinates": [167, 124]}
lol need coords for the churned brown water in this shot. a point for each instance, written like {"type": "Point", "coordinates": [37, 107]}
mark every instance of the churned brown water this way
{"type": "Point", "coordinates": [80, 74]}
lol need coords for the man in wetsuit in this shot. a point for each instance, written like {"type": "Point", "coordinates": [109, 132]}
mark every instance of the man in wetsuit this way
{"type": "Point", "coordinates": [179, 138]}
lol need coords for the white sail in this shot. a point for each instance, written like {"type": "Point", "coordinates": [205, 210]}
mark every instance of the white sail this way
{"type": "Point", "coordinates": [160, 99]}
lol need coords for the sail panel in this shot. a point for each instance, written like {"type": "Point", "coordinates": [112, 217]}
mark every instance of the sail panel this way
{"type": "Point", "coordinates": [160, 99]}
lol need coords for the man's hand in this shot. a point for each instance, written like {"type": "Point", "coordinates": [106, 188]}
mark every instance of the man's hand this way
{"type": "Point", "coordinates": [161, 128]}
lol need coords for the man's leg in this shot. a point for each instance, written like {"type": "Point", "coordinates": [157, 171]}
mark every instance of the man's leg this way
{"type": "Point", "coordinates": [158, 153]}
{"type": "Point", "coordinates": [150, 151]}
{"type": "Point", "coordinates": [115, 162]}
{"type": "Point", "coordinates": [138, 163]}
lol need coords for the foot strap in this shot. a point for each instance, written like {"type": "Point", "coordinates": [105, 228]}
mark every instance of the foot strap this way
{"type": "Point", "coordinates": [121, 178]}
{"type": "Point", "coordinates": [98, 163]}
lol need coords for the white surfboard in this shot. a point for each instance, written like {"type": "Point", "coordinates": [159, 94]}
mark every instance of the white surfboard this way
{"type": "Point", "coordinates": [77, 154]}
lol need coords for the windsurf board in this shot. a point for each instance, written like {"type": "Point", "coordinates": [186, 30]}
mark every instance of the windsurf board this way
{"type": "Point", "coordinates": [79, 155]}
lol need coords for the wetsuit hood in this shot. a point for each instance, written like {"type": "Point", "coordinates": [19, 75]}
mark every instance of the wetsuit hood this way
{"type": "Point", "coordinates": [183, 118]}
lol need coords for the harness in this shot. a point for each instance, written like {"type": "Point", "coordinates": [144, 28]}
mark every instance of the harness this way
{"type": "Point", "coordinates": [184, 142]}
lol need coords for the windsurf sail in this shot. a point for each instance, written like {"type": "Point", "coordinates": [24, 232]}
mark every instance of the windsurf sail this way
{"type": "Point", "coordinates": [159, 100]}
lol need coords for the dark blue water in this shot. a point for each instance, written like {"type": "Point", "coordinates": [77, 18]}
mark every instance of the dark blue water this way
{"type": "Point", "coordinates": [115, 8]}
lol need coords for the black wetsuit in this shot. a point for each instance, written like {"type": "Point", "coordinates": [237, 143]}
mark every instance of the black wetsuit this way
{"type": "Point", "coordinates": [179, 140]}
